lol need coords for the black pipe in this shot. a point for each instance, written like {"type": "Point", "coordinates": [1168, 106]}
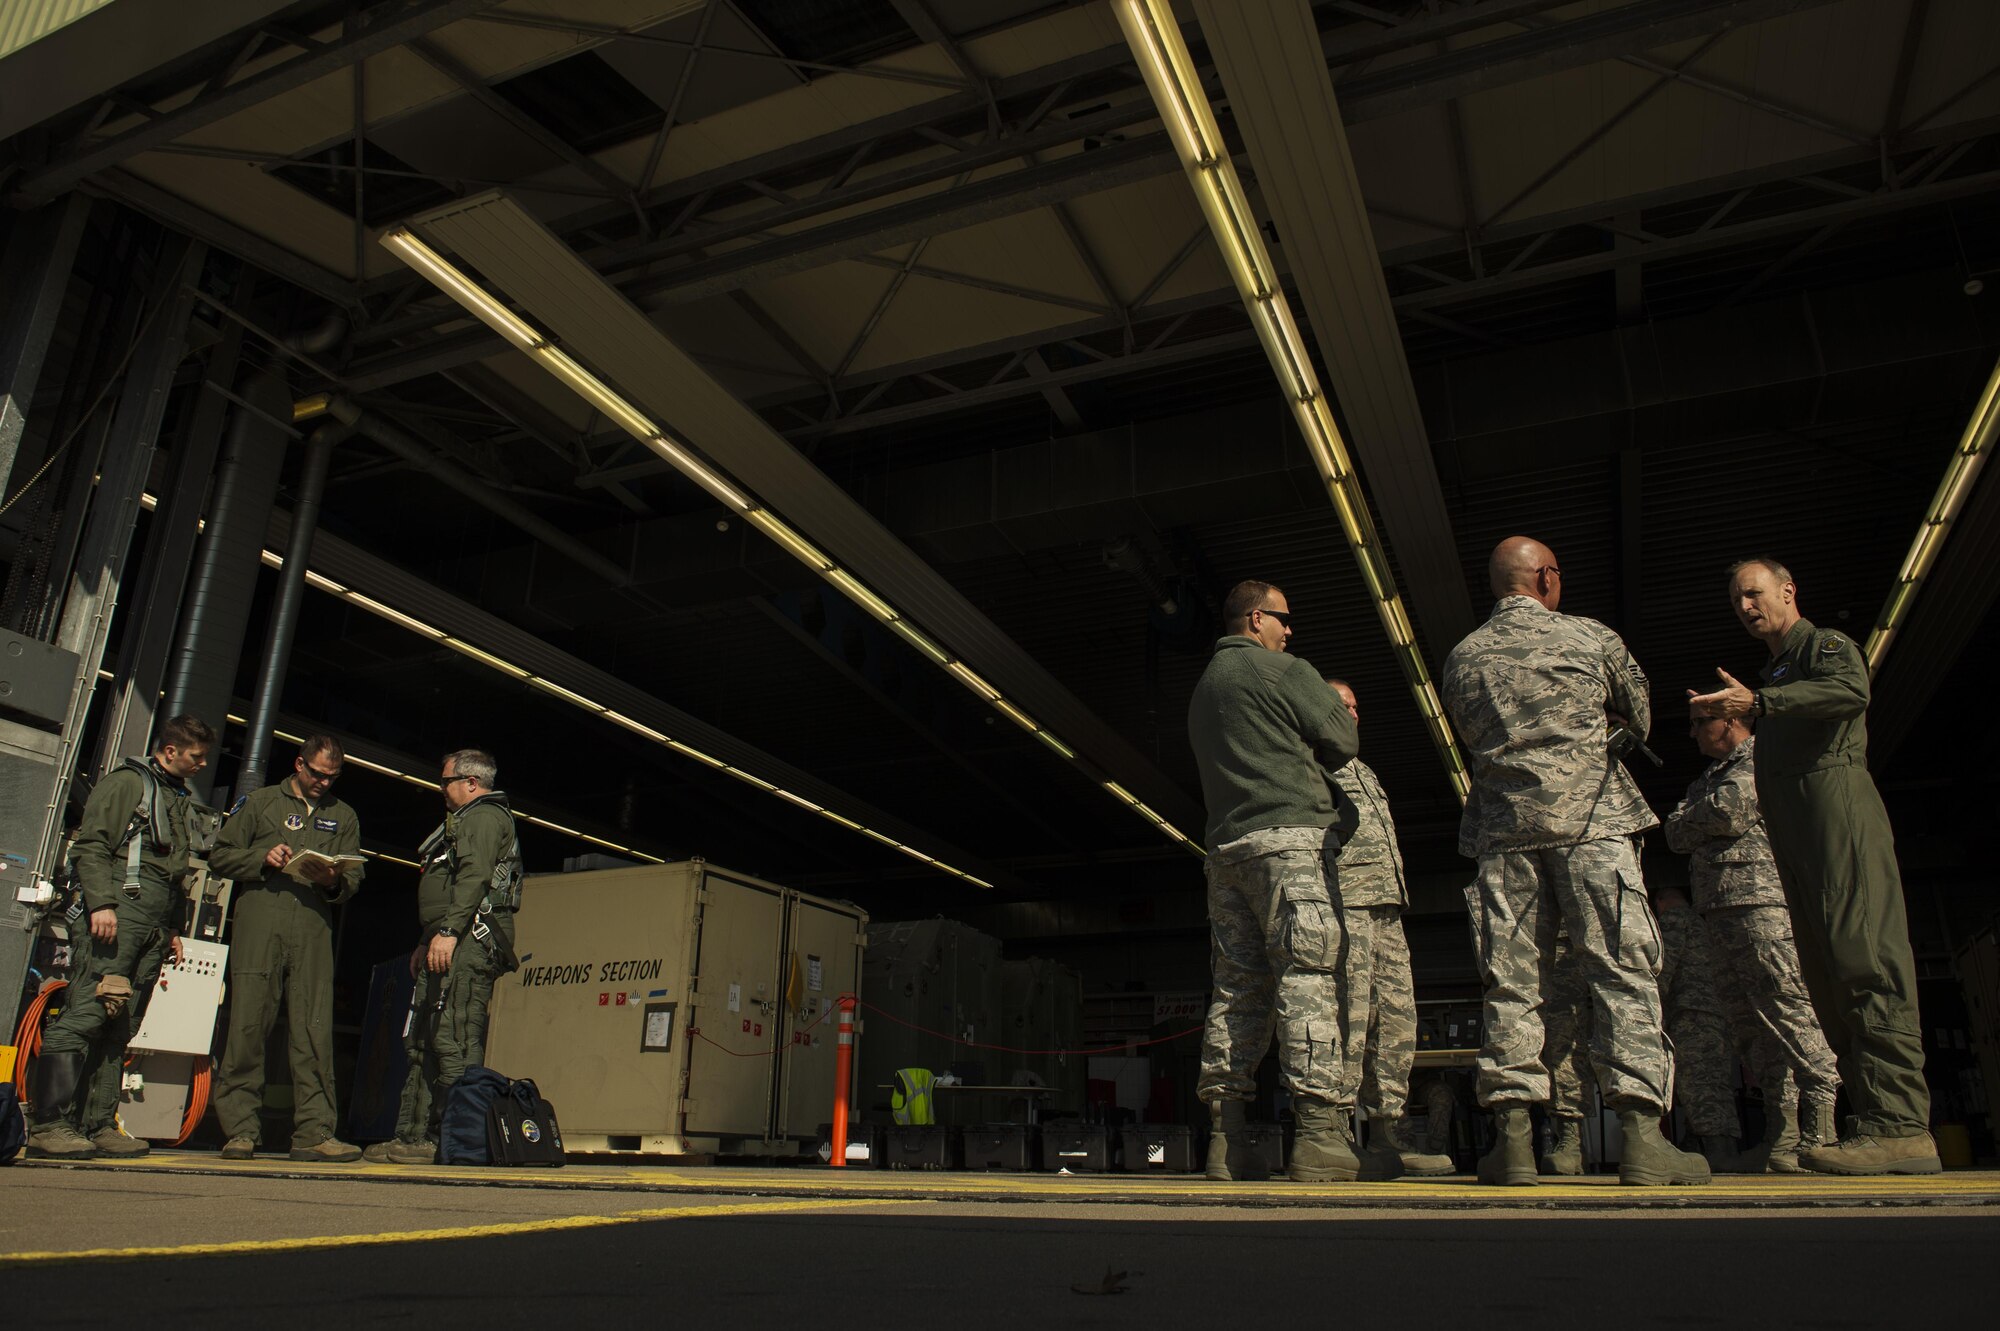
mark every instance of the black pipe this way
{"type": "Point", "coordinates": [202, 674]}
{"type": "Point", "coordinates": [291, 591]}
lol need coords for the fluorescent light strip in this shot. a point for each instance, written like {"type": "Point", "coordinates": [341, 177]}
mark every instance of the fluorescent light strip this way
{"type": "Point", "coordinates": [1155, 38]}
{"type": "Point", "coordinates": [385, 770]}
{"type": "Point", "coordinates": [577, 700]}
{"type": "Point", "coordinates": [1966, 460]}
{"type": "Point", "coordinates": [407, 246]}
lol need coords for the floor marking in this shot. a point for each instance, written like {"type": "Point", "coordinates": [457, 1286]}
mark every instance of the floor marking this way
{"type": "Point", "coordinates": [309, 1242]}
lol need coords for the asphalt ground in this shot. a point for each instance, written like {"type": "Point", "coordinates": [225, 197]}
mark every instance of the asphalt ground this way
{"type": "Point", "coordinates": [184, 1238]}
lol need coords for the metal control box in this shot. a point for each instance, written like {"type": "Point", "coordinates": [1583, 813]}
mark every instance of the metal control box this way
{"type": "Point", "coordinates": [180, 1015]}
{"type": "Point", "coordinates": [677, 1009]}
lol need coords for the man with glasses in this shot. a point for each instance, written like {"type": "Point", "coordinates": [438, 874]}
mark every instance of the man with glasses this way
{"type": "Point", "coordinates": [281, 949]}
{"type": "Point", "coordinates": [466, 900]}
{"type": "Point", "coordinates": [1553, 820]}
{"type": "Point", "coordinates": [1262, 723]}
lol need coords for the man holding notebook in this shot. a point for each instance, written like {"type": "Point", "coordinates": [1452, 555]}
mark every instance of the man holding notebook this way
{"type": "Point", "coordinates": [293, 851]}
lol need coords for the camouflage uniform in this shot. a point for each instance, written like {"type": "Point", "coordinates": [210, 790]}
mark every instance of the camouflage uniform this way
{"type": "Point", "coordinates": [1262, 725]}
{"type": "Point", "coordinates": [1737, 890]}
{"type": "Point", "coordinates": [1699, 1017]}
{"type": "Point", "coordinates": [1379, 1003]}
{"type": "Point", "coordinates": [1566, 1032]}
{"type": "Point", "coordinates": [1275, 943]}
{"type": "Point", "coordinates": [1552, 820]}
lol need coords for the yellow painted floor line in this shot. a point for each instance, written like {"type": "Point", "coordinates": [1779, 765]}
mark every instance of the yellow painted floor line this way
{"type": "Point", "coordinates": [1965, 1186]}
{"type": "Point", "coordinates": [309, 1242]}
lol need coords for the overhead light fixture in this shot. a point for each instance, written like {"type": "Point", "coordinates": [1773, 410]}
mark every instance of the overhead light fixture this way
{"type": "Point", "coordinates": [1155, 38]}
{"type": "Point", "coordinates": [1946, 504]}
{"type": "Point", "coordinates": [454, 282]}
{"type": "Point", "coordinates": [590, 706]}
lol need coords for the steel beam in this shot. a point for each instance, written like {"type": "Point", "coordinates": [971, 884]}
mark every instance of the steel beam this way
{"type": "Point", "coordinates": [409, 20]}
{"type": "Point", "coordinates": [1881, 203]}
{"type": "Point", "coordinates": [192, 220]}
{"type": "Point", "coordinates": [1643, 25]}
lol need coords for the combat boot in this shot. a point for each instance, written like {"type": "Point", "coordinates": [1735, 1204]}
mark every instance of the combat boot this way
{"type": "Point", "coordinates": [51, 1085]}
{"type": "Point", "coordinates": [1649, 1160]}
{"type": "Point", "coordinates": [1724, 1158]}
{"type": "Point", "coordinates": [59, 1141]}
{"type": "Point", "coordinates": [1565, 1154]}
{"type": "Point", "coordinates": [1230, 1156]}
{"type": "Point", "coordinates": [412, 1153]}
{"type": "Point", "coordinates": [1864, 1153]}
{"type": "Point", "coordinates": [113, 1141]}
{"type": "Point", "coordinates": [1511, 1162]}
{"type": "Point", "coordinates": [1778, 1153]}
{"type": "Point", "coordinates": [1816, 1126]}
{"type": "Point", "coordinates": [1323, 1146]}
{"type": "Point", "coordinates": [1415, 1162]}
{"type": "Point", "coordinates": [378, 1152]}
{"type": "Point", "coordinates": [332, 1151]}
{"type": "Point", "coordinates": [239, 1148]}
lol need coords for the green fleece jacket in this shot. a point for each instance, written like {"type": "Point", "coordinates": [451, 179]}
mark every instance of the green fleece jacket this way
{"type": "Point", "coordinates": [1262, 723]}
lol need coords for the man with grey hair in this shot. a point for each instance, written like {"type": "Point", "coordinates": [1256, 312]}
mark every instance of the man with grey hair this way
{"type": "Point", "coordinates": [466, 900]}
{"type": "Point", "coordinates": [1553, 820]}
{"type": "Point", "coordinates": [1262, 723]}
{"type": "Point", "coordinates": [1837, 861]}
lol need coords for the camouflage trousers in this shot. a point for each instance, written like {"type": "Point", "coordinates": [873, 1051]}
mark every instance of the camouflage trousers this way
{"type": "Point", "coordinates": [1785, 1047]}
{"type": "Point", "coordinates": [1566, 1033]}
{"type": "Point", "coordinates": [1701, 1013]}
{"type": "Point", "coordinates": [1594, 891]}
{"type": "Point", "coordinates": [1275, 941]}
{"type": "Point", "coordinates": [1378, 1011]}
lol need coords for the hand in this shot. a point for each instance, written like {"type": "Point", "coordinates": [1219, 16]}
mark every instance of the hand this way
{"type": "Point", "coordinates": [178, 948]}
{"type": "Point", "coordinates": [278, 856]}
{"type": "Point", "coordinates": [442, 946]}
{"type": "Point", "coordinates": [104, 924]}
{"type": "Point", "coordinates": [1731, 700]}
{"type": "Point", "coordinates": [1617, 718]}
{"type": "Point", "coordinates": [320, 875]}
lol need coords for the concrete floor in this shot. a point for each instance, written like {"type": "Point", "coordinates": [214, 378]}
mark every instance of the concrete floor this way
{"type": "Point", "coordinates": [184, 1237]}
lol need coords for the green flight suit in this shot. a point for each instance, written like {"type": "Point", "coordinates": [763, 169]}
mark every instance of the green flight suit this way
{"type": "Point", "coordinates": [1837, 859]}
{"type": "Point", "coordinates": [146, 919]}
{"type": "Point", "coordinates": [281, 949]}
{"type": "Point", "coordinates": [470, 885]}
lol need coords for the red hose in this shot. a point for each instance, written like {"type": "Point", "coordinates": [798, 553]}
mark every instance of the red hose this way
{"type": "Point", "coordinates": [28, 1043]}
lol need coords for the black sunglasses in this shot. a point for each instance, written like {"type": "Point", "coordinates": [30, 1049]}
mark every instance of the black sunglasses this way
{"type": "Point", "coordinates": [1284, 617]}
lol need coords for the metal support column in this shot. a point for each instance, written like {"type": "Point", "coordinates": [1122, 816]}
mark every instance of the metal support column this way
{"type": "Point", "coordinates": [96, 575]}
{"type": "Point", "coordinates": [33, 280]}
{"type": "Point", "coordinates": [134, 702]}
{"type": "Point", "coordinates": [285, 610]}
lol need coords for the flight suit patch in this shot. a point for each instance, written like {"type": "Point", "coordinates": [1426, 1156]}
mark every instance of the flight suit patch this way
{"type": "Point", "coordinates": [1828, 646]}
{"type": "Point", "coordinates": [326, 824]}
{"type": "Point", "coordinates": [293, 822]}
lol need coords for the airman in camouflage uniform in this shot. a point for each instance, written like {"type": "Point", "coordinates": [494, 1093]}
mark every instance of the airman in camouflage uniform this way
{"type": "Point", "coordinates": [1836, 857]}
{"type": "Point", "coordinates": [1378, 1001]}
{"type": "Point", "coordinates": [1700, 1015]}
{"type": "Point", "coordinates": [1719, 825]}
{"type": "Point", "coordinates": [1552, 820]}
{"type": "Point", "coordinates": [1262, 723]}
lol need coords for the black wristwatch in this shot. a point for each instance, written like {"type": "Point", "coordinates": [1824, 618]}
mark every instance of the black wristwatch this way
{"type": "Point", "coordinates": [447, 933]}
{"type": "Point", "coordinates": [1757, 702]}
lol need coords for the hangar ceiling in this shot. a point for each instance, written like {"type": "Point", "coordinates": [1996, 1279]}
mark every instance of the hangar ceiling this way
{"type": "Point", "coordinates": [1673, 280]}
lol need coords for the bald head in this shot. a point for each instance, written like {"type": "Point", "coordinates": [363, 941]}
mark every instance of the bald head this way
{"type": "Point", "coordinates": [1523, 566]}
